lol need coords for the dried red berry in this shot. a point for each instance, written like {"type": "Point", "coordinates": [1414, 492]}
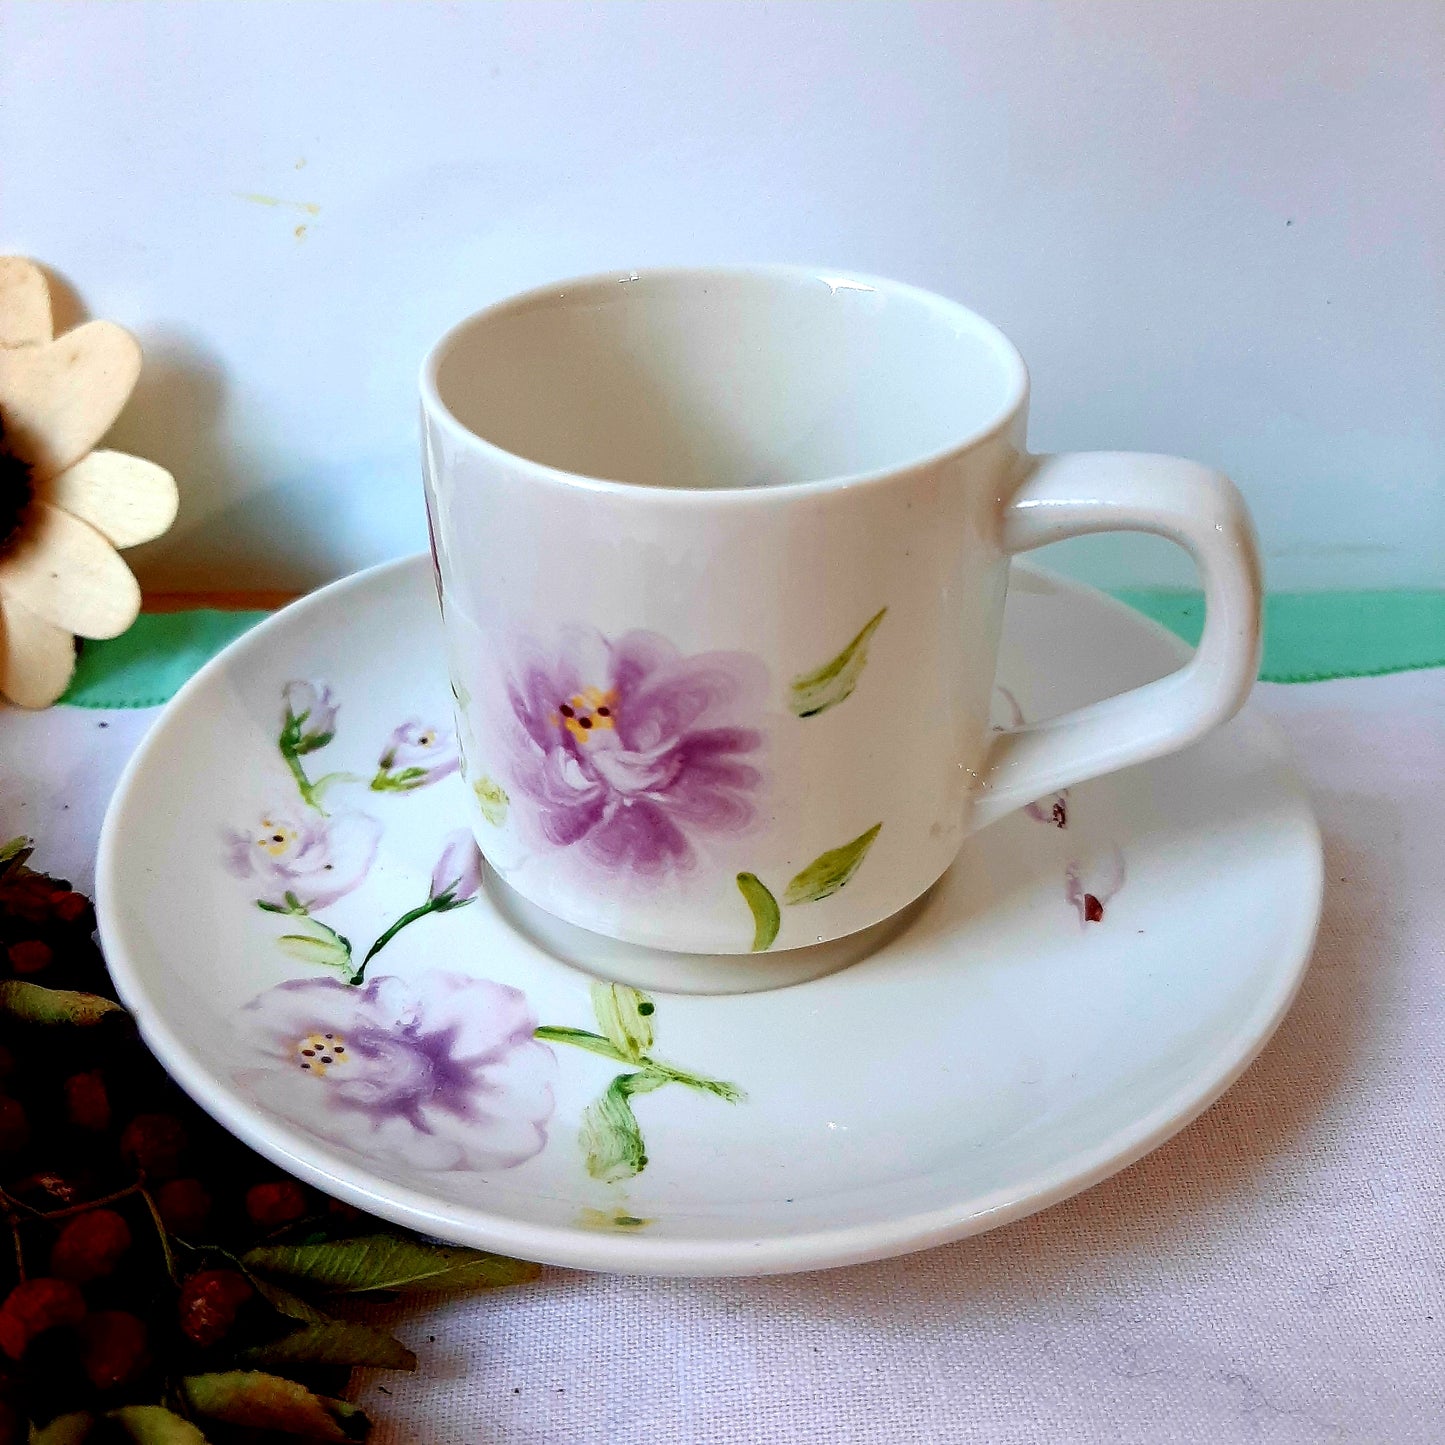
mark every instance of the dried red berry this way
{"type": "Point", "coordinates": [27, 898]}
{"type": "Point", "coordinates": [272, 1205]}
{"type": "Point", "coordinates": [14, 1126]}
{"type": "Point", "coordinates": [14, 1337]}
{"type": "Point", "coordinates": [184, 1205]}
{"type": "Point", "coordinates": [31, 956]}
{"type": "Point", "coordinates": [155, 1143]}
{"type": "Point", "coordinates": [209, 1304]}
{"type": "Point", "coordinates": [90, 1245]}
{"type": "Point", "coordinates": [113, 1348]}
{"type": "Point", "coordinates": [69, 907]}
{"type": "Point", "coordinates": [47, 1188]}
{"type": "Point", "coordinates": [44, 1304]}
{"type": "Point", "coordinates": [87, 1105]}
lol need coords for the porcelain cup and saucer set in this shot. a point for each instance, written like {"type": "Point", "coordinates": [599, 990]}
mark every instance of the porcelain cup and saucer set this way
{"type": "Point", "coordinates": [720, 856]}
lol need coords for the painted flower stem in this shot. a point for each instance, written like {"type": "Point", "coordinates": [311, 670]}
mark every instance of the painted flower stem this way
{"type": "Point", "coordinates": [441, 903]}
{"type": "Point", "coordinates": [652, 1070]}
{"type": "Point", "coordinates": [405, 921]}
{"type": "Point", "coordinates": [304, 785]}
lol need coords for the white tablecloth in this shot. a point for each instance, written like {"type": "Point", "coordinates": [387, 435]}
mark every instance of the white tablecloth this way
{"type": "Point", "coordinates": [1276, 1273]}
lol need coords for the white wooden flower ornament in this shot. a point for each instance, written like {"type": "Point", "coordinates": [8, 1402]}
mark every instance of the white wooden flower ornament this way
{"type": "Point", "coordinates": [64, 506]}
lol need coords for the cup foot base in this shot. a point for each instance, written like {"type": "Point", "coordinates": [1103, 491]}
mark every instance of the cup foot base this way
{"type": "Point", "coordinates": [664, 971]}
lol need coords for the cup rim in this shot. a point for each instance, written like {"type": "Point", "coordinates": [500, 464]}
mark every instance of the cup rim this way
{"type": "Point", "coordinates": [1017, 396]}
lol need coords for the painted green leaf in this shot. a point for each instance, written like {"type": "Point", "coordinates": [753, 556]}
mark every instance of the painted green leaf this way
{"type": "Point", "coordinates": [64, 1430]}
{"type": "Point", "coordinates": [155, 1425]}
{"type": "Point", "coordinates": [33, 1004]}
{"type": "Point", "coordinates": [625, 1016]}
{"type": "Point", "coordinates": [581, 1039]}
{"type": "Point", "coordinates": [817, 691]}
{"type": "Point", "coordinates": [829, 871]}
{"type": "Point", "coordinates": [492, 799]}
{"type": "Point", "coordinates": [337, 1342]}
{"type": "Point", "coordinates": [610, 1135]}
{"type": "Point", "coordinates": [269, 1402]}
{"type": "Point", "coordinates": [766, 915]}
{"type": "Point", "coordinates": [322, 946]}
{"type": "Point", "coordinates": [382, 1262]}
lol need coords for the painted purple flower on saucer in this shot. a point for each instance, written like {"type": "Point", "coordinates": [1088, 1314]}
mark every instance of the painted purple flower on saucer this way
{"type": "Point", "coordinates": [296, 851]}
{"type": "Point", "coordinates": [629, 755]}
{"type": "Point", "coordinates": [416, 755]}
{"type": "Point", "coordinates": [439, 1072]}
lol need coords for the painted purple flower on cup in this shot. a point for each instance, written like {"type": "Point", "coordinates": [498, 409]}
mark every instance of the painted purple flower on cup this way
{"type": "Point", "coordinates": [1092, 882]}
{"type": "Point", "coordinates": [629, 754]}
{"type": "Point", "coordinates": [302, 859]}
{"type": "Point", "coordinates": [416, 755]}
{"type": "Point", "coordinates": [436, 1073]}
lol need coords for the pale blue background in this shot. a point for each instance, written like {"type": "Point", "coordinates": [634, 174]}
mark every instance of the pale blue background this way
{"type": "Point", "coordinates": [1213, 228]}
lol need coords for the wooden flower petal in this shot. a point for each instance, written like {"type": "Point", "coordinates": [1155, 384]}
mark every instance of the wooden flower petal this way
{"type": "Point", "coordinates": [64, 571]}
{"type": "Point", "coordinates": [126, 499]}
{"type": "Point", "coordinates": [24, 303]}
{"type": "Point", "coordinates": [36, 657]}
{"type": "Point", "coordinates": [59, 399]}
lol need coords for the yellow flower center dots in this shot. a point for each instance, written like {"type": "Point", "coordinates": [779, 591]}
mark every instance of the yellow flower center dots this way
{"type": "Point", "coordinates": [318, 1052]}
{"type": "Point", "coordinates": [587, 713]}
{"type": "Point", "coordinates": [275, 838]}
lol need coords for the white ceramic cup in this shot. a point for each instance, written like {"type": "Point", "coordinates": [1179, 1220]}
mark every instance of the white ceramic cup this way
{"type": "Point", "coordinates": [722, 557]}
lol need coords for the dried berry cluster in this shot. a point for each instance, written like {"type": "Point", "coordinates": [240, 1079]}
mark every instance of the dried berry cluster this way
{"type": "Point", "coordinates": [152, 1287]}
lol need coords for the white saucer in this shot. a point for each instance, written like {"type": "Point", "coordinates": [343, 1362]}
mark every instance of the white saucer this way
{"type": "Point", "coordinates": [997, 1054]}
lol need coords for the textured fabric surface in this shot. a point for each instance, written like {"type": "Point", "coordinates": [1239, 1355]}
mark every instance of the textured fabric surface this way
{"type": "Point", "coordinates": [1276, 1273]}
{"type": "Point", "coordinates": [1307, 636]}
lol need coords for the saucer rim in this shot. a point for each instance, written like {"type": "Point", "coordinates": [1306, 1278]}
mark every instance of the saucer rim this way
{"type": "Point", "coordinates": [575, 1247]}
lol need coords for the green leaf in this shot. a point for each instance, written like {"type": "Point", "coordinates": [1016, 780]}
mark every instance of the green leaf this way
{"type": "Point", "coordinates": [327, 781]}
{"type": "Point", "coordinates": [610, 1135]}
{"type": "Point", "coordinates": [492, 799]}
{"type": "Point", "coordinates": [625, 1016]}
{"type": "Point", "coordinates": [155, 1425]}
{"type": "Point", "coordinates": [719, 1088]}
{"type": "Point", "coordinates": [766, 915]}
{"type": "Point", "coordinates": [830, 871]}
{"type": "Point", "coordinates": [337, 1342]}
{"type": "Point", "coordinates": [64, 1430]}
{"type": "Point", "coordinates": [581, 1039]}
{"type": "Point", "coordinates": [310, 742]}
{"type": "Point", "coordinates": [17, 850]}
{"type": "Point", "coordinates": [405, 781]}
{"type": "Point", "coordinates": [269, 1402]}
{"type": "Point", "coordinates": [322, 946]}
{"type": "Point", "coordinates": [385, 1262]}
{"type": "Point", "coordinates": [33, 1004]}
{"type": "Point", "coordinates": [827, 686]}
{"type": "Point", "coordinates": [288, 1304]}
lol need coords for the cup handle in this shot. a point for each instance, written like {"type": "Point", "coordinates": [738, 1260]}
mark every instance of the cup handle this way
{"type": "Point", "coordinates": [1078, 492]}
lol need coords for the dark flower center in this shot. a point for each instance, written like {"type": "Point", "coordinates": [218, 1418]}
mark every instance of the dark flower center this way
{"type": "Point", "coordinates": [17, 491]}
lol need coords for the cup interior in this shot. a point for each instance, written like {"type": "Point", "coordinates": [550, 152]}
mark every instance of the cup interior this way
{"type": "Point", "coordinates": [726, 379]}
